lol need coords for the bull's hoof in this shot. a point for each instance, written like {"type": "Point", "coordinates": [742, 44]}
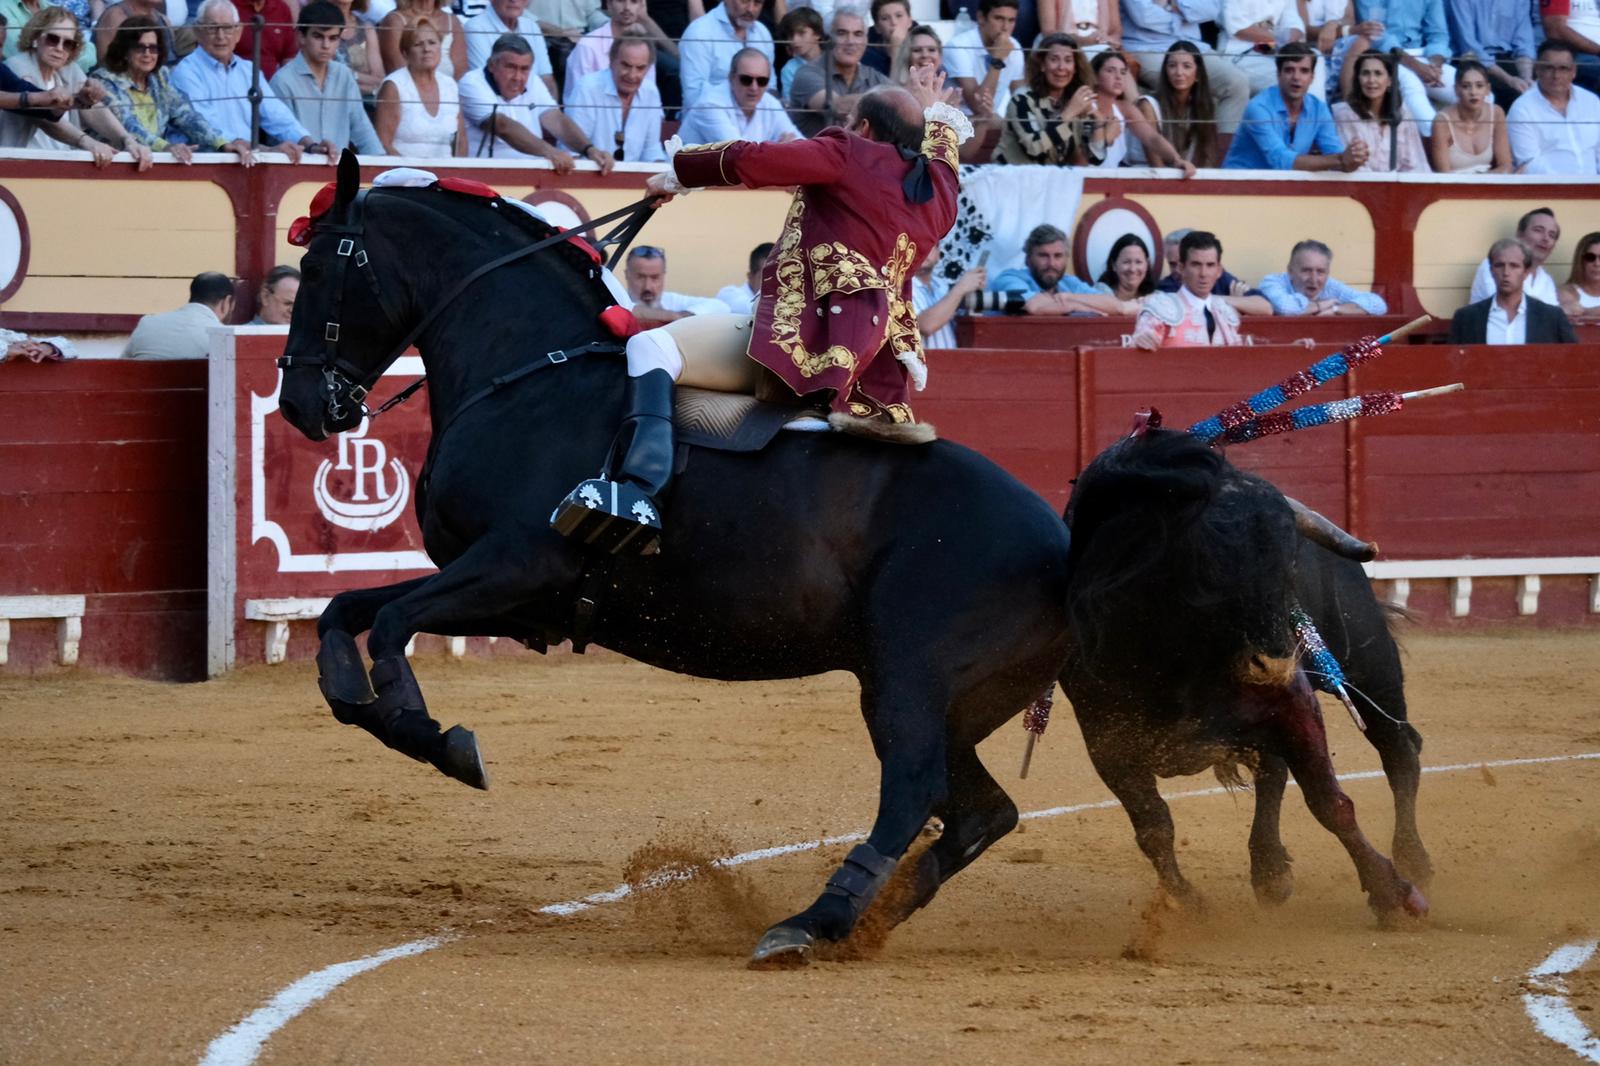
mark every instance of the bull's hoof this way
{"type": "Point", "coordinates": [783, 947]}
{"type": "Point", "coordinates": [461, 759]}
{"type": "Point", "coordinates": [1275, 889]}
{"type": "Point", "coordinates": [1409, 910]}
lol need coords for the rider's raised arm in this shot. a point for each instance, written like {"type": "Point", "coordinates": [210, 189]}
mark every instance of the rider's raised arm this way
{"type": "Point", "coordinates": [817, 161]}
{"type": "Point", "coordinates": [944, 128]}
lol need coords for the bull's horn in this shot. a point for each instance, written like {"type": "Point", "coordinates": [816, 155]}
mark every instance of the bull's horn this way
{"type": "Point", "coordinates": [1319, 530]}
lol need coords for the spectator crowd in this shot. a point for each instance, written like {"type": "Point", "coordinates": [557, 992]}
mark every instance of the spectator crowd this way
{"type": "Point", "coordinates": [1453, 86]}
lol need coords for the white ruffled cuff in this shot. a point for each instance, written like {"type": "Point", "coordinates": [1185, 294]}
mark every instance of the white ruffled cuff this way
{"type": "Point", "coordinates": [916, 369]}
{"type": "Point", "coordinates": [669, 178]}
{"type": "Point", "coordinates": [950, 116]}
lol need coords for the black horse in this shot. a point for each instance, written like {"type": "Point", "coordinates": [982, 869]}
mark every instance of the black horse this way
{"type": "Point", "coordinates": [933, 576]}
{"type": "Point", "coordinates": [1185, 573]}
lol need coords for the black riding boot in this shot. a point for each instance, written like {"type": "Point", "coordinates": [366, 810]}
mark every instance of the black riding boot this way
{"type": "Point", "coordinates": [617, 511]}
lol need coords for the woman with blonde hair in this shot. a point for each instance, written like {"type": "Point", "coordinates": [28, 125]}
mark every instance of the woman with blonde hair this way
{"type": "Point", "coordinates": [921, 48]}
{"type": "Point", "coordinates": [1043, 121]}
{"type": "Point", "coordinates": [1580, 296]}
{"type": "Point", "coordinates": [419, 109]}
{"type": "Point", "coordinates": [406, 14]}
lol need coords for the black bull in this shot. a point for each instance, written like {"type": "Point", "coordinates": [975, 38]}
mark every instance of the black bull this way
{"type": "Point", "coordinates": [934, 577]}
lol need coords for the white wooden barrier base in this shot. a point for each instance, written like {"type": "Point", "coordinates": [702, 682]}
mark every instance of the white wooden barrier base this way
{"type": "Point", "coordinates": [68, 610]}
{"type": "Point", "coordinates": [277, 614]}
{"type": "Point", "coordinates": [1460, 572]}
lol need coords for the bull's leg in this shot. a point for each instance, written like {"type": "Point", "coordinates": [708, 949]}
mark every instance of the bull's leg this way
{"type": "Point", "coordinates": [1271, 871]}
{"type": "Point", "coordinates": [1304, 743]}
{"type": "Point", "coordinates": [1400, 747]}
{"type": "Point", "coordinates": [976, 813]}
{"type": "Point", "coordinates": [1135, 787]}
{"type": "Point", "coordinates": [907, 724]}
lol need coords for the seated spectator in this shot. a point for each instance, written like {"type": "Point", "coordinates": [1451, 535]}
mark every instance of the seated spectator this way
{"type": "Point", "coordinates": [16, 14]}
{"type": "Point", "coordinates": [278, 43]}
{"type": "Point", "coordinates": [1234, 291]}
{"type": "Point", "coordinates": [825, 92]}
{"type": "Point", "coordinates": [1042, 285]}
{"type": "Point", "coordinates": [218, 82]}
{"type": "Point", "coordinates": [708, 45]}
{"type": "Point", "coordinates": [1499, 36]}
{"type": "Point", "coordinates": [182, 334]}
{"type": "Point", "coordinates": [1150, 27]}
{"type": "Point", "coordinates": [1307, 288]}
{"type": "Point", "coordinates": [741, 298]}
{"type": "Point", "coordinates": [1510, 316]}
{"type": "Point", "coordinates": [1417, 33]}
{"type": "Point", "coordinates": [321, 91]}
{"type": "Point", "coordinates": [891, 22]}
{"type": "Point", "coordinates": [1043, 120]}
{"type": "Point", "coordinates": [593, 52]}
{"type": "Point", "coordinates": [358, 46]}
{"type": "Point", "coordinates": [1374, 116]}
{"type": "Point", "coordinates": [114, 15]}
{"type": "Point", "coordinates": [1469, 136]}
{"type": "Point", "coordinates": [500, 17]}
{"type": "Point", "coordinates": [938, 302]}
{"type": "Point", "coordinates": [1576, 23]}
{"type": "Point", "coordinates": [1327, 21]}
{"type": "Point", "coordinates": [1555, 126]}
{"type": "Point", "coordinates": [419, 110]}
{"type": "Point", "coordinates": [1127, 275]}
{"type": "Point", "coordinates": [408, 14]}
{"type": "Point", "coordinates": [1192, 316]}
{"type": "Point", "coordinates": [800, 35]}
{"type": "Point", "coordinates": [563, 23]}
{"type": "Point", "coordinates": [275, 301]}
{"type": "Point", "coordinates": [619, 110]}
{"type": "Point", "coordinates": [1182, 108]}
{"type": "Point", "coordinates": [510, 114]}
{"type": "Point", "coordinates": [740, 109]}
{"type": "Point", "coordinates": [1539, 232]}
{"type": "Point", "coordinates": [1252, 30]}
{"type": "Point", "coordinates": [1094, 24]}
{"type": "Point", "coordinates": [1286, 129]}
{"type": "Point", "coordinates": [49, 42]}
{"type": "Point", "coordinates": [1111, 118]}
{"type": "Point", "coordinates": [921, 48]}
{"type": "Point", "coordinates": [1580, 296]}
{"type": "Point", "coordinates": [14, 345]}
{"type": "Point", "coordinates": [986, 62]}
{"type": "Point", "coordinates": [152, 109]}
{"type": "Point", "coordinates": [645, 274]}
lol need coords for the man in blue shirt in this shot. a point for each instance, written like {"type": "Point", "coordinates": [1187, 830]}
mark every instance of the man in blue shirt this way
{"type": "Point", "coordinates": [1417, 28]}
{"type": "Point", "coordinates": [1150, 26]}
{"type": "Point", "coordinates": [1043, 287]}
{"type": "Point", "coordinates": [711, 41]}
{"type": "Point", "coordinates": [1284, 128]}
{"type": "Point", "coordinates": [1307, 289]}
{"type": "Point", "coordinates": [1500, 36]}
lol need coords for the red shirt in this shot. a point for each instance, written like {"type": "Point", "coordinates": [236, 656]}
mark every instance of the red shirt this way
{"type": "Point", "coordinates": [1548, 8]}
{"type": "Point", "coordinates": [279, 42]}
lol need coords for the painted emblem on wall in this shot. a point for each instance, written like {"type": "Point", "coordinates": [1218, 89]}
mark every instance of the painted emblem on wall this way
{"type": "Point", "coordinates": [370, 473]}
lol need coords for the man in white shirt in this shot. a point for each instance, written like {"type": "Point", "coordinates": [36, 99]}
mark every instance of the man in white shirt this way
{"type": "Point", "coordinates": [502, 17]}
{"type": "Point", "coordinates": [741, 298]}
{"type": "Point", "coordinates": [646, 275]}
{"type": "Point", "coordinates": [937, 302]}
{"type": "Point", "coordinates": [1577, 22]}
{"type": "Point", "coordinates": [511, 115]}
{"type": "Point", "coordinates": [618, 108]}
{"type": "Point", "coordinates": [708, 45]}
{"type": "Point", "coordinates": [184, 333]}
{"type": "Point", "coordinates": [1555, 126]}
{"type": "Point", "coordinates": [1539, 231]}
{"type": "Point", "coordinates": [1510, 316]}
{"type": "Point", "coordinates": [740, 109]}
{"type": "Point", "coordinates": [986, 62]}
{"type": "Point", "coordinates": [1193, 315]}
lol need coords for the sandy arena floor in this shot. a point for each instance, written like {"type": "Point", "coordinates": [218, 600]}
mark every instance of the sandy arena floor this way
{"type": "Point", "coordinates": [171, 857]}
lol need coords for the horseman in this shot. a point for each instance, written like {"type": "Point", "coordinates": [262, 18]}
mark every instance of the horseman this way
{"type": "Point", "coordinates": [833, 322]}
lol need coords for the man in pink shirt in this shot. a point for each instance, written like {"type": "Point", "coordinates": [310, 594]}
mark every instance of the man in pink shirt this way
{"type": "Point", "coordinates": [593, 50]}
{"type": "Point", "coordinates": [1192, 315]}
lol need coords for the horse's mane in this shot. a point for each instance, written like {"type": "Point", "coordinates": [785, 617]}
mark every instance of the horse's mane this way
{"type": "Point", "coordinates": [1173, 544]}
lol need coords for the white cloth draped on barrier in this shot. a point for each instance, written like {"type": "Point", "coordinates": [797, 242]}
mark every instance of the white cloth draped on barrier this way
{"type": "Point", "coordinates": [998, 207]}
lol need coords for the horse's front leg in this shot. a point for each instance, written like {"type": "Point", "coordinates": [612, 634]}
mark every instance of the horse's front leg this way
{"type": "Point", "coordinates": [341, 673]}
{"type": "Point", "coordinates": [489, 581]}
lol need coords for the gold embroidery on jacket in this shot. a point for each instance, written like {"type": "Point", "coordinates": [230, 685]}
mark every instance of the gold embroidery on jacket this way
{"type": "Point", "coordinates": [837, 268]}
{"type": "Point", "coordinates": [939, 144]}
{"type": "Point", "coordinates": [789, 304]}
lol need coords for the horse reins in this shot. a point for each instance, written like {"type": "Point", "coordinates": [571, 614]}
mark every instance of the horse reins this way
{"type": "Point", "coordinates": [349, 250]}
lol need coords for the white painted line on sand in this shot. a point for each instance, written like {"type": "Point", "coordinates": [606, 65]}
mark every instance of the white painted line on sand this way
{"type": "Point", "coordinates": [240, 1045]}
{"type": "Point", "coordinates": [1546, 1000]}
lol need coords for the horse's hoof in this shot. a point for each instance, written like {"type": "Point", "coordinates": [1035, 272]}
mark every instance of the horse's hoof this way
{"type": "Point", "coordinates": [1276, 889]}
{"type": "Point", "coordinates": [783, 947]}
{"type": "Point", "coordinates": [461, 758]}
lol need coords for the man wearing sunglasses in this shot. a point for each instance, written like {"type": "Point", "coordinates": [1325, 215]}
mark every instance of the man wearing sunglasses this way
{"type": "Point", "coordinates": [834, 322]}
{"type": "Point", "coordinates": [741, 109]}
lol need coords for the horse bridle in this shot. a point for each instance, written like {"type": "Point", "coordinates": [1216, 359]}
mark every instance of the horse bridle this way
{"type": "Point", "coordinates": [341, 378]}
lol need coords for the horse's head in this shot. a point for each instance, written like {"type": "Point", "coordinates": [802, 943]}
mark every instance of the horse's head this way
{"type": "Point", "coordinates": [343, 333]}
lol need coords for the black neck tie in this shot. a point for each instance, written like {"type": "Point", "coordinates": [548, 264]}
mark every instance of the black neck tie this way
{"type": "Point", "coordinates": [1211, 326]}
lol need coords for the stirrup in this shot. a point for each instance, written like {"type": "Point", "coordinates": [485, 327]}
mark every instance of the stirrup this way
{"type": "Point", "coordinates": [614, 516]}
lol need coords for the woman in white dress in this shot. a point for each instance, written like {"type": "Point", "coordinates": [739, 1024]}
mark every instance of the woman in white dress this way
{"type": "Point", "coordinates": [452, 46]}
{"type": "Point", "coordinates": [1580, 296]}
{"type": "Point", "coordinates": [1112, 118]}
{"type": "Point", "coordinates": [419, 110]}
{"type": "Point", "coordinates": [1097, 24]}
{"type": "Point", "coordinates": [1182, 108]}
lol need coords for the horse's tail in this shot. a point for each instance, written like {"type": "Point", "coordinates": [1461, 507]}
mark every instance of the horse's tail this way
{"type": "Point", "coordinates": [1174, 547]}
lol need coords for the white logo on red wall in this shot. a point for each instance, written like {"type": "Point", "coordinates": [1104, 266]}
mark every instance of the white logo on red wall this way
{"type": "Point", "coordinates": [365, 489]}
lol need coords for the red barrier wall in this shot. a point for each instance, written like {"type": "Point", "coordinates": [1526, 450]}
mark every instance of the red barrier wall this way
{"type": "Point", "coordinates": [103, 494]}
